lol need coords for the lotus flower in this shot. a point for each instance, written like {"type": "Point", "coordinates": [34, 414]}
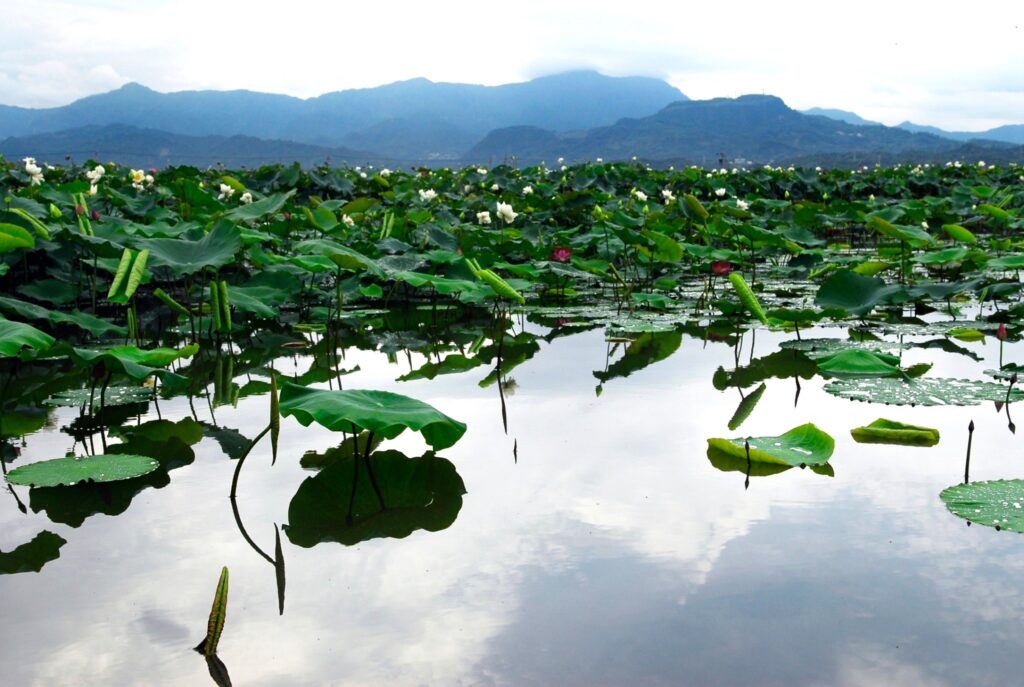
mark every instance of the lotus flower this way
{"type": "Point", "coordinates": [483, 217]}
{"type": "Point", "coordinates": [428, 194]}
{"type": "Point", "coordinates": [720, 268]}
{"type": "Point", "coordinates": [245, 198]}
{"type": "Point", "coordinates": [1001, 332]}
{"type": "Point", "coordinates": [506, 212]}
{"type": "Point", "coordinates": [561, 254]}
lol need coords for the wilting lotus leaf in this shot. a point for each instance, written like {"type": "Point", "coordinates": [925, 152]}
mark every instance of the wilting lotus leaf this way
{"type": "Point", "coordinates": [999, 503]}
{"type": "Point", "coordinates": [380, 412]}
{"type": "Point", "coordinates": [114, 396]}
{"type": "Point", "coordinates": [746, 407]}
{"type": "Point", "coordinates": [932, 391]}
{"type": "Point", "coordinates": [884, 431]}
{"type": "Point", "coordinates": [67, 471]}
{"type": "Point", "coordinates": [348, 503]}
{"type": "Point", "coordinates": [857, 362]}
{"type": "Point", "coordinates": [16, 336]}
{"type": "Point", "coordinates": [803, 445]}
{"type": "Point", "coordinates": [33, 555]}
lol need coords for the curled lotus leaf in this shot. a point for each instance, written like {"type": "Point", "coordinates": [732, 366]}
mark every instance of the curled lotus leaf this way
{"type": "Point", "coordinates": [803, 445]}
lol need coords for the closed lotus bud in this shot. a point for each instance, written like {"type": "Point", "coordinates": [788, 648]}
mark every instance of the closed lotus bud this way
{"type": "Point", "coordinates": [79, 209]}
{"type": "Point", "coordinates": [1001, 332]}
{"type": "Point", "coordinates": [95, 216]}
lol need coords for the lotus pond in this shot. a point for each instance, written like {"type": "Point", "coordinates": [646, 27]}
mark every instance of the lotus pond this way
{"type": "Point", "coordinates": [597, 424]}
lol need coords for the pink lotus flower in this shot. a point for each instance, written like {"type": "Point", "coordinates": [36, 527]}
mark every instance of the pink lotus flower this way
{"type": "Point", "coordinates": [95, 216]}
{"type": "Point", "coordinates": [561, 254]}
{"type": "Point", "coordinates": [1001, 332]}
{"type": "Point", "coordinates": [720, 268]}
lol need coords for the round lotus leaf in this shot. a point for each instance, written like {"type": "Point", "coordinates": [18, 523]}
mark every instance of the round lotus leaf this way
{"type": "Point", "coordinates": [72, 470]}
{"type": "Point", "coordinates": [930, 391]}
{"type": "Point", "coordinates": [999, 503]}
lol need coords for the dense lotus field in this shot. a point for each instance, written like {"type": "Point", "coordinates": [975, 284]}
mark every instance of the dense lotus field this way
{"type": "Point", "coordinates": [120, 288]}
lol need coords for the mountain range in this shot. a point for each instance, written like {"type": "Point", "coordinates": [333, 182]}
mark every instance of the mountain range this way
{"type": "Point", "coordinates": [576, 115]}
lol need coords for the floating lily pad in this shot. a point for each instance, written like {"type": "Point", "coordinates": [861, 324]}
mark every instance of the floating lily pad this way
{"type": "Point", "coordinates": [932, 391]}
{"type": "Point", "coordinates": [999, 503]}
{"type": "Point", "coordinates": [68, 471]}
{"type": "Point", "coordinates": [115, 396]}
{"type": "Point", "coordinates": [803, 445]}
{"type": "Point", "coordinates": [884, 431]}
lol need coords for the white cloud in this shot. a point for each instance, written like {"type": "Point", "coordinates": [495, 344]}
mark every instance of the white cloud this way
{"type": "Point", "coordinates": [885, 60]}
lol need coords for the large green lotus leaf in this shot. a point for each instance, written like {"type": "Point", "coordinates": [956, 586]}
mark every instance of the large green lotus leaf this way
{"type": "Point", "coordinates": [855, 293]}
{"type": "Point", "coordinates": [90, 323]}
{"type": "Point", "coordinates": [856, 362]}
{"type": "Point", "coordinates": [929, 391]}
{"type": "Point", "coordinates": [883, 431]}
{"type": "Point", "coordinates": [185, 257]}
{"type": "Point", "coordinates": [415, 494]}
{"type": "Point", "coordinates": [17, 336]}
{"type": "Point", "coordinates": [803, 445]}
{"type": "Point", "coordinates": [135, 362]}
{"type": "Point", "coordinates": [68, 471]}
{"type": "Point", "coordinates": [900, 232]}
{"type": "Point", "coordinates": [380, 412]}
{"type": "Point", "coordinates": [13, 236]}
{"type": "Point", "coordinates": [342, 256]}
{"type": "Point", "coordinates": [33, 555]}
{"type": "Point", "coordinates": [999, 503]}
{"type": "Point", "coordinates": [259, 209]}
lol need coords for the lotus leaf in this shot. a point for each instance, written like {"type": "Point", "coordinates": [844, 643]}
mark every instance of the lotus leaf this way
{"type": "Point", "coordinates": [380, 412]}
{"type": "Point", "coordinates": [803, 445]}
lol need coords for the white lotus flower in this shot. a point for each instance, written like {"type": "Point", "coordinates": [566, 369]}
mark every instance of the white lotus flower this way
{"type": "Point", "coordinates": [225, 192]}
{"type": "Point", "coordinates": [495, 187]}
{"type": "Point", "coordinates": [481, 170]}
{"type": "Point", "coordinates": [924, 224]}
{"type": "Point", "coordinates": [428, 194]}
{"type": "Point", "coordinates": [362, 175]}
{"type": "Point", "coordinates": [347, 221]}
{"type": "Point", "coordinates": [599, 160]}
{"type": "Point", "coordinates": [720, 192]}
{"type": "Point", "coordinates": [96, 174]}
{"type": "Point", "coordinates": [32, 169]}
{"type": "Point", "coordinates": [385, 172]}
{"type": "Point", "coordinates": [149, 179]}
{"type": "Point", "coordinates": [245, 198]}
{"type": "Point", "coordinates": [93, 188]}
{"type": "Point", "coordinates": [527, 190]}
{"type": "Point", "coordinates": [561, 160]}
{"type": "Point", "coordinates": [639, 195]}
{"type": "Point", "coordinates": [506, 212]}
{"type": "Point", "coordinates": [742, 204]}
{"type": "Point", "coordinates": [483, 217]}
{"type": "Point", "coordinates": [667, 195]}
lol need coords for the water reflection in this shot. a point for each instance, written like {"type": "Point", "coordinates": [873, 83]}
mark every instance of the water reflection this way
{"type": "Point", "coordinates": [383, 494]}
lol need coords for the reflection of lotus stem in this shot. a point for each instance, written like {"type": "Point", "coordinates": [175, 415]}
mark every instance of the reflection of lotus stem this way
{"type": "Point", "coordinates": [241, 460]}
{"type": "Point", "coordinates": [967, 463]}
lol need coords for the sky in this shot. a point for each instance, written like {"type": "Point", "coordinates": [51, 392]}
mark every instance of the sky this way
{"type": "Point", "coordinates": [950, 64]}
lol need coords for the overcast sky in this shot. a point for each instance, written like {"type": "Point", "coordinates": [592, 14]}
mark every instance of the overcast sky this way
{"type": "Point", "coordinates": [952, 64]}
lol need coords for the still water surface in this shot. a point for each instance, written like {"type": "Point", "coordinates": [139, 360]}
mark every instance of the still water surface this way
{"type": "Point", "coordinates": [596, 545]}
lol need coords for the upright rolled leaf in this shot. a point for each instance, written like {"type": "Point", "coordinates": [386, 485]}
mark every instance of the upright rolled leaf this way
{"type": "Point", "coordinates": [215, 311]}
{"type": "Point", "coordinates": [136, 273]}
{"type": "Point", "coordinates": [218, 614]}
{"type": "Point", "coordinates": [39, 227]}
{"type": "Point", "coordinates": [225, 307]}
{"type": "Point", "coordinates": [121, 274]}
{"type": "Point", "coordinates": [747, 297]}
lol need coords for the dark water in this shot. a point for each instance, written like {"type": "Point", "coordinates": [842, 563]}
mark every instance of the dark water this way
{"type": "Point", "coordinates": [606, 550]}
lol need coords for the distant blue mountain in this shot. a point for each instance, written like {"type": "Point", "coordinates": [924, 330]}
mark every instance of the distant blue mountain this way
{"type": "Point", "coordinates": [409, 119]}
{"type": "Point", "coordinates": [750, 128]}
{"type": "Point", "coordinates": [841, 115]}
{"type": "Point", "coordinates": [1010, 133]}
